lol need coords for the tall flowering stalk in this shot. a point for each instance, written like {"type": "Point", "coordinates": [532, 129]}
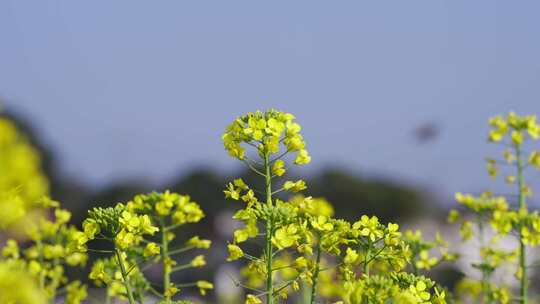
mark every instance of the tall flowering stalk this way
{"type": "Point", "coordinates": [516, 133]}
{"type": "Point", "coordinates": [273, 135]}
{"type": "Point", "coordinates": [483, 208]}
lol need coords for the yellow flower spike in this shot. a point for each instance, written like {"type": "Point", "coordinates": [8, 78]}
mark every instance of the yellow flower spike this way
{"type": "Point", "coordinates": [151, 249]}
{"type": "Point", "coordinates": [265, 130]}
{"type": "Point", "coordinates": [271, 132]}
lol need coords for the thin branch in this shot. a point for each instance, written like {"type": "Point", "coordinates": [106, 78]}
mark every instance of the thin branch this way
{"type": "Point", "coordinates": [181, 267]}
{"type": "Point", "coordinates": [279, 157]}
{"type": "Point", "coordinates": [238, 284]}
{"type": "Point", "coordinates": [180, 250]}
{"type": "Point", "coordinates": [282, 267]}
{"type": "Point", "coordinates": [253, 168]}
{"type": "Point", "coordinates": [278, 191]}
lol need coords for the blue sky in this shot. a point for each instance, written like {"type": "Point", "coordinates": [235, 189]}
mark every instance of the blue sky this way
{"type": "Point", "coordinates": [133, 88]}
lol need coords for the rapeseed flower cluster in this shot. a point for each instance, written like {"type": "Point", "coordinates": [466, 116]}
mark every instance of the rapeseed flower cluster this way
{"type": "Point", "coordinates": [143, 231]}
{"type": "Point", "coordinates": [305, 247]}
{"type": "Point", "coordinates": [267, 132]}
{"type": "Point", "coordinates": [496, 212]}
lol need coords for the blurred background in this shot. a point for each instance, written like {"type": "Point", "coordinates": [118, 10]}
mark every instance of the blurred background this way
{"type": "Point", "coordinates": [127, 97]}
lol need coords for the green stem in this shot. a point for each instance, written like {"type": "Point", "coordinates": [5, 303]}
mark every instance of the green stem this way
{"type": "Point", "coordinates": [367, 261]}
{"type": "Point", "coordinates": [180, 250]}
{"type": "Point", "coordinates": [316, 273]}
{"type": "Point", "coordinates": [522, 206]}
{"type": "Point", "coordinates": [125, 277]}
{"type": "Point", "coordinates": [269, 231]}
{"type": "Point", "coordinates": [485, 278]}
{"type": "Point", "coordinates": [166, 268]}
{"type": "Point", "coordinates": [181, 267]}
